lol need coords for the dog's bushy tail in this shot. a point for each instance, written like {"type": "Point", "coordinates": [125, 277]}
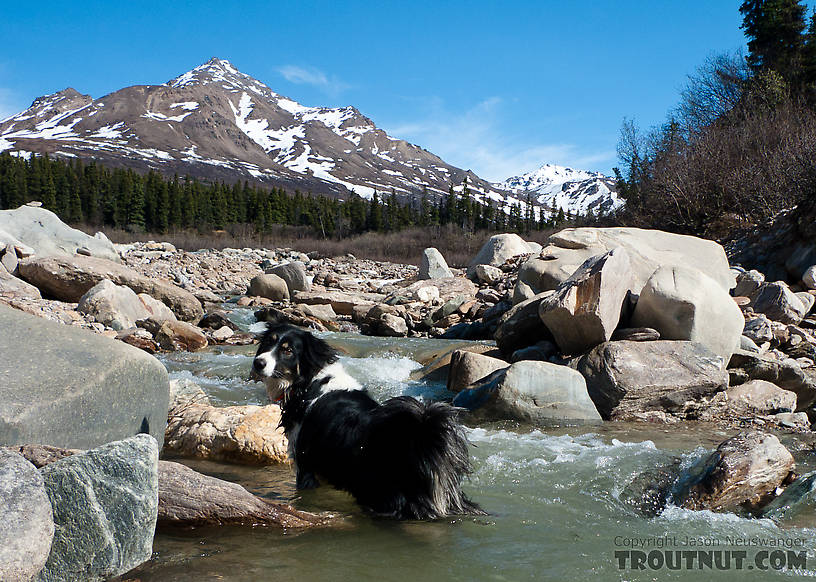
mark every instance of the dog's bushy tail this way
{"type": "Point", "coordinates": [423, 449]}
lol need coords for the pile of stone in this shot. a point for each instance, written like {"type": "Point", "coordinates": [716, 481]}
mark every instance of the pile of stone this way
{"type": "Point", "coordinates": [657, 327]}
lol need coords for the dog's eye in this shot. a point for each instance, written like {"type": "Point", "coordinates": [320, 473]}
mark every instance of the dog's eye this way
{"type": "Point", "coordinates": [286, 351]}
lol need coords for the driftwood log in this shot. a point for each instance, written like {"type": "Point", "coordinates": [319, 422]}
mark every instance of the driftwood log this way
{"type": "Point", "coordinates": [187, 497]}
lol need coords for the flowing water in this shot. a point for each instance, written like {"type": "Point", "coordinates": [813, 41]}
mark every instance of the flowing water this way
{"type": "Point", "coordinates": [553, 495]}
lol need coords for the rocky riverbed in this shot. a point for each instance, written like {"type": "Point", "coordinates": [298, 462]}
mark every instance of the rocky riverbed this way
{"type": "Point", "coordinates": [599, 326]}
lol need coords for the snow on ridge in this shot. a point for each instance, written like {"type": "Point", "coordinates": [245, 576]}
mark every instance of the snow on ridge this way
{"type": "Point", "coordinates": [186, 105]}
{"type": "Point", "coordinates": [162, 117]}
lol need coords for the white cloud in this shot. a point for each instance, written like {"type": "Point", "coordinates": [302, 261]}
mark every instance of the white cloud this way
{"type": "Point", "coordinates": [474, 139]}
{"type": "Point", "coordinates": [315, 77]}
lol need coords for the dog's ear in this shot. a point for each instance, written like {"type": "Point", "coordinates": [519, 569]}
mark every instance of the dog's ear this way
{"type": "Point", "coordinates": [316, 355]}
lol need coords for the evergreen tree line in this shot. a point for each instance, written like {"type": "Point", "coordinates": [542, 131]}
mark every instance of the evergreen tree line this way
{"type": "Point", "coordinates": [740, 145]}
{"type": "Point", "coordinates": [95, 195]}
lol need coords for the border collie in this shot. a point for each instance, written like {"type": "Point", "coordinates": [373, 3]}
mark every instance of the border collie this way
{"type": "Point", "coordinates": [401, 459]}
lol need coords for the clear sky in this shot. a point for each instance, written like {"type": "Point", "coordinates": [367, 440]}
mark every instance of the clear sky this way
{"type": "Point", "coordinates": [497, 87]}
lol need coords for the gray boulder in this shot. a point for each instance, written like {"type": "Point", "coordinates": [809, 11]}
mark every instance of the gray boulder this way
{"type": "Point", "coordinates": [585, 310]}
{"type": "Point", "coordinates": [26, 524]}
{"type": "Point", "coordinates": [270, 286]}
{"type": "Point", "coordinates": [530, 391]}
{"type": "Point", "coordinates": [626, 378]}
{"type": "Point", "coordinates": [468, 367]}
{"type": "Point", "coordinates": [158, 311]}
{"type": "Point", "coordinates": [72, 388]}
{"type": "Point", "coordinates": [497, 250]}
{"type": "Point", "coordinates": [744, 472]}
{"type": "Point", "coordinates": [647, 249]}
{"type": "Point", "coordinates": [758, 329]}
{"type": "Point", "coordinates": [46, 234]}
{"type": "Point", "coordinates": [105, 504]}
{"type": "Point", "coordinates": [432, 265]}
{"type": "Point", "coordinates": [761, 397]}
{"type": "Point", "coordinates": [809, 277]}
{"type": "Point", "coordinates": [69, 278]}
{"type": "Point", "coordinates": [9, 260]}
{"type": "Point", "coordinates": [807, 300]}
{"type": "Point", "coordinates": [487, 274]}
{"type": "Point", "coordinates": [778, 302]}
{"type": "Point", "coordinates": [294, 274]}
{"type": "Point", "coordinates": [787, 374]}
{"type": "Point", "coordinates": [683, 303]}
{"type": "Point", "coordinates": [521, 326]}
{"type": "Point", "coordinates": [748, 282]}
{"type": "Point", "coordinates": [114, 305]}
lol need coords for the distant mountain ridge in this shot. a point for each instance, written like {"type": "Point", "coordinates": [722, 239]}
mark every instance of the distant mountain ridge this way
{"type": "Point", "coordinates": [558, 187]}
{"type": "Point", "coordinates": [216, 123]}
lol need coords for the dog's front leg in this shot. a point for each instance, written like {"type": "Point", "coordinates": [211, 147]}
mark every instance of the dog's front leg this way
{"type": "Point", "coordinates": [306, 480]}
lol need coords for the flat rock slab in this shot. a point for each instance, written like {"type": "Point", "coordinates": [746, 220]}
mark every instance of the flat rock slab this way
{"type": "Point", "coordinates": [69, 387]}
{"type": "Point", "coordinates": [26, 523]}
{"type": "Point", "coordinates": [69, 278]}
{"type": "Point", "coordinates": [343, 303]}
{"type": "Point", "coordinates": [190, 498]}
{"type": "Point", "coordinates": [105, 503]}
{"type": "Point", "coordinates": [626, 377]}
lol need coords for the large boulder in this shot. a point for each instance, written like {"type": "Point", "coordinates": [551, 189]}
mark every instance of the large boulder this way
{"type": "Point", "coordinates": [468, 367]}
{"type": "Point", "coordinates": [68, 387]}
{"type": "Point", "coordinates": [432, 265]}
{"type": "Point", "coordinates": [625, 378]}
{"type": "Point", "coordinates": [114, 305]}
{"type": "Point", "coordinates": [497, 250]}
{"type": "Point", "coordinates": [26, 523]}
{"type": "Point", "coordinates": [786, 374]}
{"type": "Point", "coordinates": [105, 503]}
{"type": "Point", "coordinates": [683, 303]}
{"type": "Point", "coordinates": [530, 391]}
{"type": "Point", "coordinates": [586, 308]}
{"type": "Point", "coordinates": [46, 234]}
{"type": "Point", "coordinates": [69, 278]}
{"type": "Point", "coordinates": [294, 274]}
{"type": "Point", "coordinates": [237, 434]}
{"type": "Point", "coordinates": [648, 249]}
{"type": "Point", "coordinates": [760, 397]}
{"type": "Point", "coordinates": [744, 472]}
{"type": "Point", "coordinates": [778, 302]}
{"type": "Point", "coordinates": [521, 326]}
{"type": "Point", "coordinates": [269, 286]}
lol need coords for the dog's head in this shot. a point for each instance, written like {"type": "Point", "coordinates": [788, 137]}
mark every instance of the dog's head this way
{"type": "Point", "coordinates": [289, 356]}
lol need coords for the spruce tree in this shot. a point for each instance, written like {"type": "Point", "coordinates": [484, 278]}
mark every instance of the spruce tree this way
{"type": "Point", "coordinates": [775, 35]}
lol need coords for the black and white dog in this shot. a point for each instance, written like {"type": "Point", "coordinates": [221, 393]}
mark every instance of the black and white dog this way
{"type": "Point", "coordinates": [402, 459]}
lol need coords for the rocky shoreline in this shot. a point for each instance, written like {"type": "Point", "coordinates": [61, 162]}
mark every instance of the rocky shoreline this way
{"type": "Point", "coordinates": [613, 324]}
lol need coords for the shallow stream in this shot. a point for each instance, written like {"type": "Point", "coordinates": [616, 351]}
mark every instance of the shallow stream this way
{"type": "Point", "coordinates": [553, 495]}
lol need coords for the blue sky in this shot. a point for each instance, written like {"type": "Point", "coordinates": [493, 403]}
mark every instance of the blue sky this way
{"type": "Point", "coordinates": [497, 87]}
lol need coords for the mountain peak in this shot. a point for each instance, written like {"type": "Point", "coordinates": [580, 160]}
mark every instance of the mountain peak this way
{"type": "Point", "coordinates": [217, 70]}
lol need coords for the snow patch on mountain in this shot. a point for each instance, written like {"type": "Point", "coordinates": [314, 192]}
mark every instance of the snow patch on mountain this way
{"type": "Point", "coordinates": [576, 192]}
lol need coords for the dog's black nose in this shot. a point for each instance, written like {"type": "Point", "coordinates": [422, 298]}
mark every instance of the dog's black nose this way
{"type": "Point", "coordinates": [258, 364]}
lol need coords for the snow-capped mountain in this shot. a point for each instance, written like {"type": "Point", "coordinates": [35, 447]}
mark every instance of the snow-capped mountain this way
{"type": "Point", "coordinates": [557, 187]}
{"type": "Point", "coordinates": [217, 123]}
